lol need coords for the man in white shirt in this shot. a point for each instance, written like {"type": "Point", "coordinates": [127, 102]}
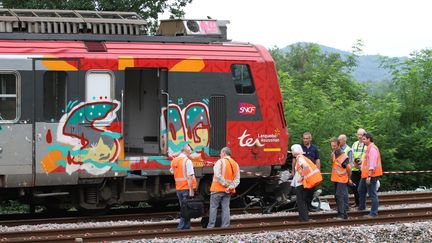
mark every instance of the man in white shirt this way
{"type": "Point", "coordinates": [297, 182]}
{"type": "Point", "coordinates": [184, 175]}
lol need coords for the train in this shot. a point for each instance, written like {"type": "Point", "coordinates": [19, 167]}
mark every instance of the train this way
{"type": "Point", "coordinates": [93, 109]}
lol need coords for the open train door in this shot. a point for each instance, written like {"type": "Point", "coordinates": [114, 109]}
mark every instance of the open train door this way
{"type": "Point", "coordinates": [145, 116]}
{"type": "Point", "coordinates": [56, 134]}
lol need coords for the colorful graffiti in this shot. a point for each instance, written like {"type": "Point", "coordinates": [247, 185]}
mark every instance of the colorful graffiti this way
{"type": "Point", "coordinates": [88, 139]}
{"type": "Point", "coordinates": [190, 125]}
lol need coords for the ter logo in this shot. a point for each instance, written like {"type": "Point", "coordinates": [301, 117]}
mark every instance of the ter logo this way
{"type": "Point", "coordinates": [246, 109]}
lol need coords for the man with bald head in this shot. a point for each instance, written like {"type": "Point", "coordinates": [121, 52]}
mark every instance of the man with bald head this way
{"type": "Point", "coordinates": [185, 181]}
{"type": "Point", "coordinates": [226, 178]}
{"type": "Point", "coordinates": [358, 150]}
{"type": "Point", "coordinates": [342, 139]}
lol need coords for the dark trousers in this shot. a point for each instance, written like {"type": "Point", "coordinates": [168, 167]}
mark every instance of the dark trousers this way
{"type": "Point", "coordinates": [341, 194]}
{"type": "Point", "coordinates": [372, 191]}
{"type": "Point", "coordinates": [355, 177]}
{"type": "Point", "coordinates": [301, 195]}
{"type": "Point", "coordinates": [184, 223]}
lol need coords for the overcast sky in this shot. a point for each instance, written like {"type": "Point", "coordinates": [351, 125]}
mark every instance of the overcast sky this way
{"type": "Point", "coordinates": [387, 27]}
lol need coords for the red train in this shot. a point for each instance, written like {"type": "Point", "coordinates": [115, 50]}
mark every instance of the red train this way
{"type": "Point", "coordinates": [92, 110]}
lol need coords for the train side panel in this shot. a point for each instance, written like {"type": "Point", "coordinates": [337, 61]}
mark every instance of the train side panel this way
{"type": "Point", "coordinates": [116, 119]}
{"type": "Point", "coordinates": [16, 133]}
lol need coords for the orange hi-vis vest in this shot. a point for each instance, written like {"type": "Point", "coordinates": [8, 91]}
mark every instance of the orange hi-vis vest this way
{"type": "Point", "coordinates": [229, 169]}
{"type": "Point", "coordinates": [339, 174]}
{"type": "Point", "coordinates": [365, 165]}
{"type": "Point", "coordinates": [312, 176]}
{"type": "Point", "coordinates": [178, 166]}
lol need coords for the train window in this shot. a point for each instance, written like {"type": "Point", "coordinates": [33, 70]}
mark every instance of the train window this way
{"type": "Point", "coordinates": [99, 85]}
{"type": "Point", "coordinates": [242, 78]}
{"type": "Point", "coordinates": [8, 97]}
{"type": "Point", "coordinates": [55, 98]}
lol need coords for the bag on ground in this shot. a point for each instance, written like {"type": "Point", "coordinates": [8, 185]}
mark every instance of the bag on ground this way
{"type": "Point", "coordinates": [192, 208]}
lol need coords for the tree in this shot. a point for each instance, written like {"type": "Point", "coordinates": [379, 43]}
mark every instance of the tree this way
{"type": "Point", "coordinates": [321, 96]}
{"type": "Point", "coordinates": [147, 9]}
{"type": "Point", "coordinates": [412, 84]}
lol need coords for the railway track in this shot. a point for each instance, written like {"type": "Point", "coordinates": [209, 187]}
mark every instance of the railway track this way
{"type": "Point", "coordinates": [244, 225]}
{"type": "Point", "coordinates": [391, 199]}
{"type": "Point", "coordinates": [146, 215]}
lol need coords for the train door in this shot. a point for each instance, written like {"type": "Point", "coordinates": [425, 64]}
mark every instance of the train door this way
{"type": "Point", "coordinates": [145, 100]}
{"type": "Point", "coordinates": [15, 127]}
{"type": "Point", "coordinates": [56, 128]}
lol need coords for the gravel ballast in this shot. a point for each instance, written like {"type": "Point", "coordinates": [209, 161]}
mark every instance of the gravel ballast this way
{"type": "Point", "coordinates": [404, 232]}
{"type": "Point", "coordinates": [136, 222]}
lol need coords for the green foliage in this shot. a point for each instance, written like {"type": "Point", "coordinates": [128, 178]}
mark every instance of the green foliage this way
{"type": "Point", "coordinates": [413, 86]}
{"type": "Point", "coordinates": [321, 96]}
{"type": "Point", "coordinates": [13, 207]}
{"type": "Point", "coordinates": [148, 9]}
{"type": "Point", "coordinates": [53, 4]}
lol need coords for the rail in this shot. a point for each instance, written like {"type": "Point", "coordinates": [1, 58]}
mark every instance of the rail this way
{"type": "Point", "coordinates": [257, 224]}
{"type": "Point", "coordinates": [147, 215]}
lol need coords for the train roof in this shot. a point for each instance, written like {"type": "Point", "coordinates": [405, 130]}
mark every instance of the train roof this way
{"type": "Point", "coordinates": [148, 50]}
{"type": "Point", "coordinates": [42, 24]}
{"type": "Point", "coordinates": [77, 33]}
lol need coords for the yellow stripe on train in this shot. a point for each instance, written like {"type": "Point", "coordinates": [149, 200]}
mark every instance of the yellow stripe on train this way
{"type": "Point", "coordinates": [272, 149]}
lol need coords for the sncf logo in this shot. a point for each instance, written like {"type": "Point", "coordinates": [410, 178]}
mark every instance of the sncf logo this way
{"type": "Point", "coordinates": [246, 109]}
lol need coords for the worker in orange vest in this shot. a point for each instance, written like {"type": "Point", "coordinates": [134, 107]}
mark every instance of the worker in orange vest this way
{"type": "Point", "coordinates": [306, 176]}
{"type": "Point", "coordinates": [185, 181]}
{"type": "Point", "coordinates": [371, 170]}
{"type": "Point", "coordinates": [341, 174]}
{"type": "Point", "coordinates": [225, 179]}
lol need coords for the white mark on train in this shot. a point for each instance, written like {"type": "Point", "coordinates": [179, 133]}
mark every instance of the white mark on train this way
{"type": "Point", "coordinates": [247, 141]}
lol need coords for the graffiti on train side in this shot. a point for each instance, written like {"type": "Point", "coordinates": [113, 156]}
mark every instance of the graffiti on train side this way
{"type": "Point", "coordinates": [190, 125]}
{"type": "Point", "coordinates": [88, 139]}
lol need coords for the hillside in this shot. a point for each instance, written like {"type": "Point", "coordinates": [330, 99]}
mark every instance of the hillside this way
{"type": "Point", "coordinates": [368, 66]}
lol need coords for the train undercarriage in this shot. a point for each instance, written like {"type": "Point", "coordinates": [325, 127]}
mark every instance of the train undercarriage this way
{"type": "Point", "coordinates": [271, 194]}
